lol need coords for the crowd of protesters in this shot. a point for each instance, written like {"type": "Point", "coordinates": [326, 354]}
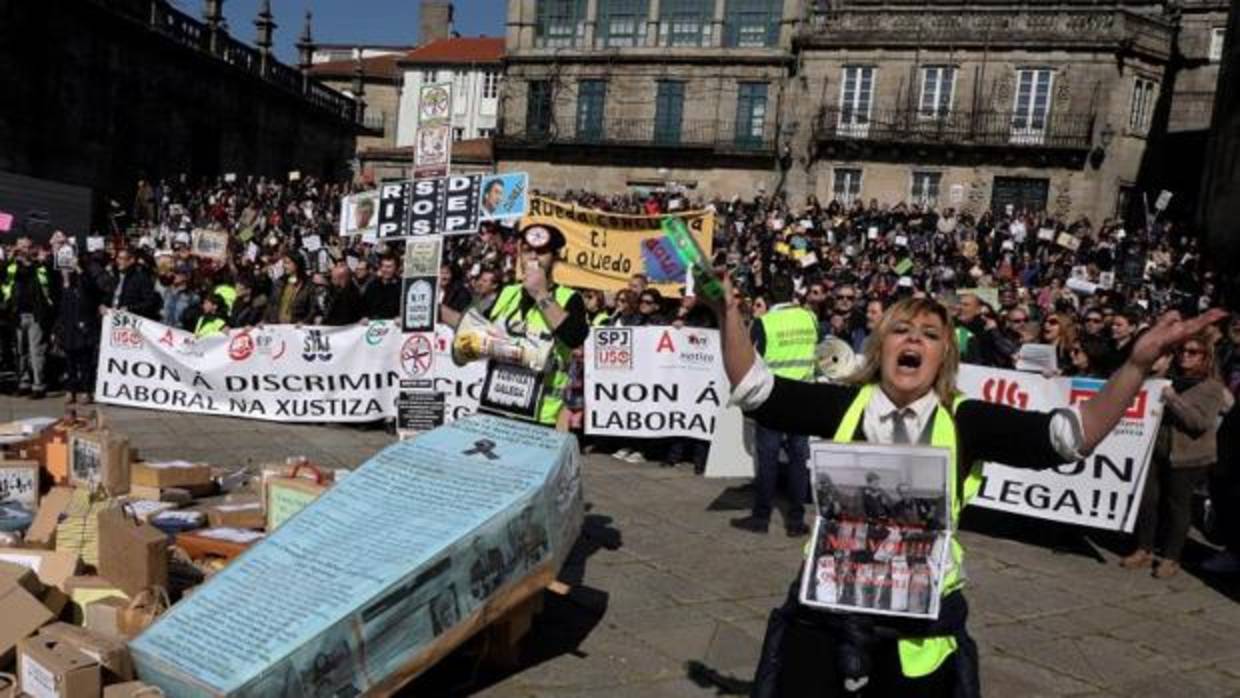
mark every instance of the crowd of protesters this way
{"type": "Point", "coordinates": [1011, 278]}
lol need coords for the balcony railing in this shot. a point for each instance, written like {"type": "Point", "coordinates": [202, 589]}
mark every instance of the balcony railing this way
{"type": "Point", "coordinates": [981, 26]}
{"type": "Point", "coordinates": [196, 35]}
{"type": "Point", "coordinates": [715, 135]}
{"type": "Point", "coordinates": [1072, 131]}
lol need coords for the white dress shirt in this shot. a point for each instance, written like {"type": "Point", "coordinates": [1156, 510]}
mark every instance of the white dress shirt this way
{"type": "Point", "coordinates": [878, 425]}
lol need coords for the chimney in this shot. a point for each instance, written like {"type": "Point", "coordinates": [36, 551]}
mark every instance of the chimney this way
{"type": "Point", "coordinates": [435, 20]}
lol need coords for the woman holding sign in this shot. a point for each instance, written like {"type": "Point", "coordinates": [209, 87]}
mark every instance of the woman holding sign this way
{"type": "Point", "coordinates": [905, 392]}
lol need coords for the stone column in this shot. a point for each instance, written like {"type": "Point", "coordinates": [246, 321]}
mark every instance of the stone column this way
{"type": "Point", "coordinates": [652, 24]}
{"type": "Point", "coordinates": [591, 22]}
{"type": "Point", "coordinates": [716, 31]}
{"type": "Point", "coordinates": [790, 22]}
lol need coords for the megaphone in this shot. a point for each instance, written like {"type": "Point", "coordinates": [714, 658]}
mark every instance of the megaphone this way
{"type": "Point", "coordinates": [478, 338]}
{"type": "Point", "coordinates": [836, 359]}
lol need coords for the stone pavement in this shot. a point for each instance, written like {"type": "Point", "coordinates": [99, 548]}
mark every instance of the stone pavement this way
{"type": "Point", "coordinates": [662, 584]}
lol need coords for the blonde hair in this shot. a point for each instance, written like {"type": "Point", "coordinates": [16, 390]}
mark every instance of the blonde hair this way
{"type": "Point", "coordinates": [905, 311]}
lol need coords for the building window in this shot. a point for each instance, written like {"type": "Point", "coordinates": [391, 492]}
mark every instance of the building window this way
{"type": "Point", "coordinates": [750, 114]}
{"type": "Point", "coordinates": [685, 22]}
{"type": "Point", "coordinates": [538, 108]}
{"type": "Point", "coordinates": [846, 184]}
{"type": "Point", "coordinates": [1142, 106]}
{"type": "Point", "coordinates": [490, 84]}
{"type": "Point", "coordinates": [1217, 36]}
{"type": "Point", "coordinates": [925, 189]}
{"type": "Point", "coordinates": [428, 76]}
{"type": "Point", "coordinates": [938, 84]}
{"type": "Point", "coordinates": [591, 100]}
{"type": "Point", "coordinates": [752, 23]}
{"type": "Point", "coordinates": [458, 133]}
{"type": "Point", "coordinates": [1032, 106]}
{"type": "Point", "coordinates": [486, 133]}
{"type": "Point", "coordinates": [622, 23]}
{"type": "Point", "coordinates": [856, 98]}
{"type": "Point", "coordinates": [669, 108]}
{"type": "Point", "coordinates": [560, 23]}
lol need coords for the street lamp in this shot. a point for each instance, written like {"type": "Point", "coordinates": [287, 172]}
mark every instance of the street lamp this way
{"type": "Point", "coordinates": [1099, 153]}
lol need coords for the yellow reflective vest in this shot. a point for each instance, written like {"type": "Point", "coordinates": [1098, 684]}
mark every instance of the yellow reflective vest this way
{"type": "Point", "coordinates": [923, 656]}
{"type": "Point", "coordinates": [506, 308]}
{"type": "Point", "coordinates": [206, 327]}
{"type": "Point", "coordinates": [791, 341]}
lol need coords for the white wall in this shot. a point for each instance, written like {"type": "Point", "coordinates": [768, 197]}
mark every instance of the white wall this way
{"type": "Point", "coordinates": [471, 112]}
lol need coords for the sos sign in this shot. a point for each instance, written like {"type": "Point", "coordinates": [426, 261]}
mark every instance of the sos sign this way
{"type": "Point", "coordinates": [613, 348]}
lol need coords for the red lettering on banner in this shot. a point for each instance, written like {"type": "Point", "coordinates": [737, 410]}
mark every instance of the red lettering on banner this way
{"type": "Point", "coordinates": [1005, 392]}
{"type": "Point", "coordinates": [665, 343]}
{"type": "Point", "coordinates": [168, 339]}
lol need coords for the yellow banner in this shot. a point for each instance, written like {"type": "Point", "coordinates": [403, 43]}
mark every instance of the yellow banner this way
{"type": "Point", "coordinates": [604, 249]}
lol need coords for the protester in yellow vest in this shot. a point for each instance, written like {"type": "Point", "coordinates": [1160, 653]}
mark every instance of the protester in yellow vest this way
{"type": "Point", "coordinates": [786, 337]}
{"type": "Point", "coordinates": [213, 319]}
{"type": "Point", "coordinates": [538, 305]}
{"type": "Point", "coordinates": [907, 386]}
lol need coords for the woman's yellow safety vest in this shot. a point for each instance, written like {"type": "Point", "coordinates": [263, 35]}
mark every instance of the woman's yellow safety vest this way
{"type": "Point", "coordinates": [923, 656]}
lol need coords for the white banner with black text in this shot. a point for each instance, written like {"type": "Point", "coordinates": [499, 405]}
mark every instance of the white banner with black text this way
{"type": "Point", "coordinates": [276, 372]}
{"type": "Point", "coordinates": [1100, 491]}
{"type": "Point", "coordinates": [653, 382]}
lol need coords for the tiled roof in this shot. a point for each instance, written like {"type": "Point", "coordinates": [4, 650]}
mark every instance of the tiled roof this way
{"type": "Point", "coordinates": [374, 67]}
{"type": "Point", "coordinates": [481, 49]}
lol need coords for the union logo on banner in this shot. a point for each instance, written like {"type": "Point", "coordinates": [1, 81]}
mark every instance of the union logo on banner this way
{"type": "Point", "coordinates": [417, 356]}
{"type": "Point", "coordinates": [1084, 389]}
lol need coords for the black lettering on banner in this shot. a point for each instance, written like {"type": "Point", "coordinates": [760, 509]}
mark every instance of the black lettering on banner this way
{"type": "Point", "coordinates": [708, 393]}
{"type": "Point", "coordinates": [200, 382]}
{"type": "Point", "coordinates": [461, 199]}
{"type": "Point", "coordinates": [425, 207]}
{"type": "Point", "coordinates": [393, 219]}
{"type": "Point", "coordinates": [636, 392]}
{"type": "Point", "coordinates": [419, 408]}
{"type": "Point", "coordinates": [651, 421]}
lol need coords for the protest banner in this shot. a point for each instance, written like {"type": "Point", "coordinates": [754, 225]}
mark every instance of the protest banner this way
{"type": "Point", "coordinates": [208, 244]}
{"type": "Point", "coordinates": [1102, 490]}
{"type": "Point", "coordinates": [357, 213]}
{"type": "Point", "coordinates": [881, 529]}
{"type": "Point", "coordinates": [440, 205]}
{"type": "Point", "coordinates": [276, 372]}
{"type": "Point", "coordinates": [432, 147]}
{"type": "Point", "coordinates": [505, 195]}
{"type": "Point", "coordinates": [652, 382]}
{"type": "Point", "coordinates": [369, 585]}
{"type": "Point", "coordinates": [604, 249]}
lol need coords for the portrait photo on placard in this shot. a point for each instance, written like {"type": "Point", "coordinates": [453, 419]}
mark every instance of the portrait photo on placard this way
{"type": "Point", "coordinates": [504, 195]}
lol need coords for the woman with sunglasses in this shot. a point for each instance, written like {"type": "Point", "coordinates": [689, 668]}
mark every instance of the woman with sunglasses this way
{"type": "Point", "coordinates": [906, 386]}
{"type": "Point", "coordinates": [1186, 447]}
{"type": "Point", "coordinates": [1059, 330]}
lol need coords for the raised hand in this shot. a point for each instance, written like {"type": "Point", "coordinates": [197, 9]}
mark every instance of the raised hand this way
{"type": "Point", "coordinates": [1169, 332]}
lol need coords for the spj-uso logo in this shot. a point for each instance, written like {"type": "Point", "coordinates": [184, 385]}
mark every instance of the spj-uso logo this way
{"type": "Point", "coordinates": [613, 348]}
{"type": "Point", "coordinates": [126, 331]}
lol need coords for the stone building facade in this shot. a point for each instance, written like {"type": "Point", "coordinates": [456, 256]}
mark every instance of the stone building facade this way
{"type": "Point", "coordinates": [970, 105]}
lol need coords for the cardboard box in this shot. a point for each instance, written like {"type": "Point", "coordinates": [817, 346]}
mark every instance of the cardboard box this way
{"type": "Point", "coordinates": [285, 496]}
{"type": "Point", "coordinates": [49, 668]}
{"type": "Point", "coordinates": [56, 601]}
{"type": "Point", "coordinates": [104, 616]}
{"type": "Point", "coordinates": [170, 474]}
{"type": "Point", "coordinates": [53, 567]}
{"type": "Point", "coordinates": [56, 457]}
{"type": "Point", "coordinates": [19, 483]}
{"type": "Point", "coordinates": [132, 554]}
{"type": "Point", "coordinates": [23, 614]}
{"type": "Point", "coordinates": [22, 576]}
{"type": "Point", "coordinates": [237, 514]}
{"type": "Point", "coordinates": [99, 458]}
{"type": "Point", "coordinates": [226, 543]}
{"type": "Point", "coordinates": [175, 495]}
{"type": "Point", "coordinates": [42, 533]}
{"type": "Point", "coordinates": [87, 589]}
{"type": "Point", "coordinates": [131, 689]}
{"type": "Point", "coordinates": [110, 652]}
